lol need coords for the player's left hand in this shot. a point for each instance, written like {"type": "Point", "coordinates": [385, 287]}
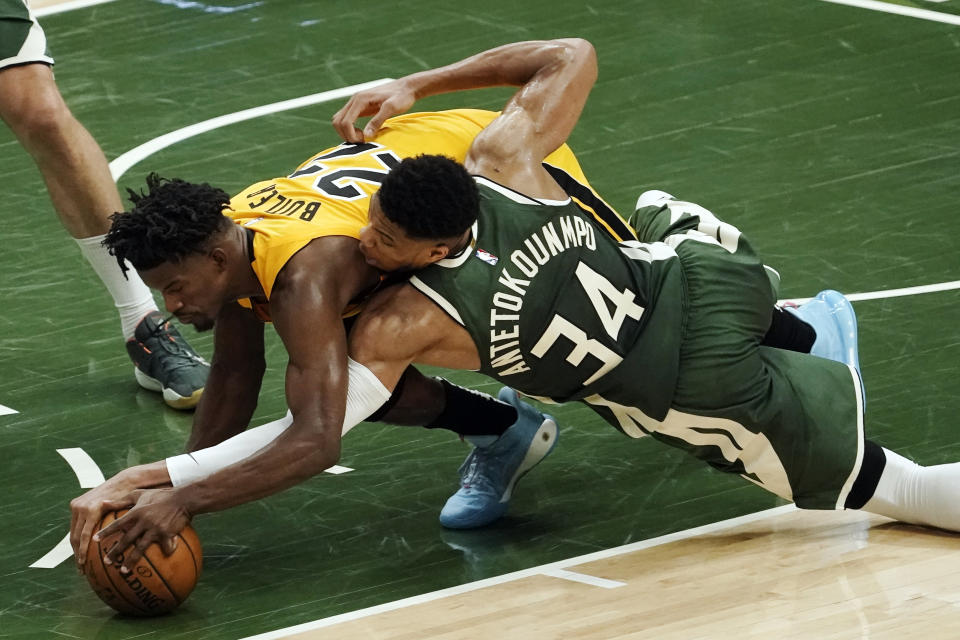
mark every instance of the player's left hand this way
{"type": "Point", "coordinates": [158, 516]}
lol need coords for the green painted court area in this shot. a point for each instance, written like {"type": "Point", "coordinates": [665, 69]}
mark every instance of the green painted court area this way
{"type": "Point", "coordinates": [829, 134]}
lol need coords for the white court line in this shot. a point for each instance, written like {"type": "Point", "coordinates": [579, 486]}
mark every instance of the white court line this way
{"type": "Point", "coordinates": [83, 4]}
{"type": "Point", "coordinates": [584, 578]}
{"type": "Point", "coordinates": [89, 475]}
{"type": "Point", "coordinates": [906, 291]}
{"type": "Point", "coordinates": [67, 6]}
{"type": "Point", "coordinates": [912, 12]}
{"type": "Point", "coordinates": [121, 164]}
{"type": "Point", "coordinates": [337, 470]}
{"type": "Point", "coordinates": [889, 293]}
{"type": "Point", "coordinates": [61, 552]}
{"type": "Point", "coordinates": [6, 411]}
{"type": "Point", "coordinates": [525, 573]}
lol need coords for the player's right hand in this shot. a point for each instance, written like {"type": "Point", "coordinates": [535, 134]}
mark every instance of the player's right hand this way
{"type": "Point", "coordinates": [381, 102]}
{"type": "Point", "coordinates": [87, 510]}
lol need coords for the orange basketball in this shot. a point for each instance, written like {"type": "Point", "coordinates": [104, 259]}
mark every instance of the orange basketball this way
{"type": "Point", "coordinates": [157, 584]}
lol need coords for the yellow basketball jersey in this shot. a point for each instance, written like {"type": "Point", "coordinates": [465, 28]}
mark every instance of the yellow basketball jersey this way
{"type": "Point", "coordinates": [329, 194]}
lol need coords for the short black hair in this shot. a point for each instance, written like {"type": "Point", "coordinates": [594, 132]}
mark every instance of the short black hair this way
{"type": "Point", "coordinates": [430, 197]}
{"type": "Point", "coordinates": [172, 220]}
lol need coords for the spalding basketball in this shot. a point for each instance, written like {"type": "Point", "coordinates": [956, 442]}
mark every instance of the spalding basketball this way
{"type": "Point", "coordinates": [157, 584]}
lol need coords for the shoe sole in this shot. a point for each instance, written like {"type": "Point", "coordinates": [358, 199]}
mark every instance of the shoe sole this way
{"type": "Point", "coordinates": [173, 399]}
{"type": "Point", "coordinates": [849, 343]}
{"type": "Point", "coordinates": [540, 447]}
{"type": "Point", "coordinates": [847, 320]}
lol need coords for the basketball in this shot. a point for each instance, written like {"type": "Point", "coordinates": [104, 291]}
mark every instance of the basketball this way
{"type": "Point", "coordinates": [157, 584]}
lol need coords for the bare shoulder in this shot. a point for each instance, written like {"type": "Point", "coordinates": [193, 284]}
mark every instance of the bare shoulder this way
{"type": "Point", "coordinates": [401, 308]}
{"type": "Point", "coordinates": [329, 266]}
{"type": "Point", "coordinates": [400, 324]}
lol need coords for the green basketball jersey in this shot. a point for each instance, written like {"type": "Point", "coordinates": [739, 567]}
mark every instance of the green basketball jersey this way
{"type": "Point", "coordinates": [558, 308]}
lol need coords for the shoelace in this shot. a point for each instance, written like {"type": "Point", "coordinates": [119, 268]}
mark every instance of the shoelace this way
{"type": "Point", "coordinates": [474, 465]}
{"type": "Point", "coordinates": [156, 329]}
{"type": "Point", "coordinates": [172, 347]}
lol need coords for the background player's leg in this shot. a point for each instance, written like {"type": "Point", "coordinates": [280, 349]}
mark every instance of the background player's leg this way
{"type": "Point", "coordinates": [84, 196]}
{"type": "Point", "coordinates": [77, 178]}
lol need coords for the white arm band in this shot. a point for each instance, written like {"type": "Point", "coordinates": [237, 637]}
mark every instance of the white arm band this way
{"type": "Point", "coordinates": [365, 394]}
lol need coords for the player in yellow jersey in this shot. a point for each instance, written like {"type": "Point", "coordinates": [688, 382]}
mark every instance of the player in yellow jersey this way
{"type": "Point", "coordinates": [328, 195]}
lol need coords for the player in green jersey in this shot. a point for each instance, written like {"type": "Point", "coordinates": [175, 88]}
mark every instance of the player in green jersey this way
{"type": "Point", "coordinates": [683, 310]}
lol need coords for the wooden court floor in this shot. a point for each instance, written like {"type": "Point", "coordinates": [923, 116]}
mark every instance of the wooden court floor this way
{"type": "Point", "coordinates": [785, 573]}
{"type": "Point", "coordinates": [827, 131]}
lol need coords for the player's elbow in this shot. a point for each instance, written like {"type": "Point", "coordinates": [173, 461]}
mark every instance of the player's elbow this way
{"type": "Point", "coordinates": [326, 457]}
{"type": "Point", "coordinates": [581, 53]}
{"type": "Point", "coordinates": [317, 454]}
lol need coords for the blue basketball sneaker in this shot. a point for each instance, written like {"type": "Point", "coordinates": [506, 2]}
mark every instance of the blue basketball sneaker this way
{"type": "Point", "coordinates": [831, 316]}
{"type": "Point", "coordinates": [489, 474]}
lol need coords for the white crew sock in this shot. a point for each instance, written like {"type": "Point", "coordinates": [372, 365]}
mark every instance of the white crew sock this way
{"type": "Point", "coordinates": [130, 295]}
{"type": "Point", "coordinates": [919, 495]}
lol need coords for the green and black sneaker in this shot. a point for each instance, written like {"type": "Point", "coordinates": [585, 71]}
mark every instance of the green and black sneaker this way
{"type": "Point", "coordinates": [165, 362]}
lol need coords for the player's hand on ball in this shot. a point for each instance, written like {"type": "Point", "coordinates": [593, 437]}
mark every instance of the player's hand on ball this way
{"type": "Point", "coordinates": [158, 516]}
{"type": "Point", "coordinates": [87, 510]}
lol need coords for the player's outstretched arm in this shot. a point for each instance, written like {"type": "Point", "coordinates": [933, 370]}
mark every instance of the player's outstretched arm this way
{"type": "Point", "coordinates": [515, 64]}
{"type": "Point", "coordinates": [236, 373]}
{"type": "Point", "coordinates": [307, 298]}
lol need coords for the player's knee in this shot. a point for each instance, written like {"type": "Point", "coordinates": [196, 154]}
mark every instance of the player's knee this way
{"type": "Point", "coordinates": [41, 119]}
{"type": "Point", "coordinates": [49, 125]}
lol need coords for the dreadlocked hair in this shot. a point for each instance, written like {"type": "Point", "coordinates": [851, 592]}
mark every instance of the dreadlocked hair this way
{"type": "Point", "coordinates": [172, 220]}
{"type": "Point", "coordinates": [430, 197]}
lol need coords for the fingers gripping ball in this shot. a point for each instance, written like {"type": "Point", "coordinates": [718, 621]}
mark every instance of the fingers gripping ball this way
{"type": "Point", "coordinates": [157, 584]}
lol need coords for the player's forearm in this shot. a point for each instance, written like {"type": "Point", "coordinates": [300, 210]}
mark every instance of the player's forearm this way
{"type": "Point", "coordinates": [509, 65]}
{"type": "Point", "coordinates": [289, 460]}
{"type": "Point", "coordinates": [144, 476]}
{"type": "Point", "coordinates": [229, 400]}
{"type": "Point", "coordinates": [365, 395]}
